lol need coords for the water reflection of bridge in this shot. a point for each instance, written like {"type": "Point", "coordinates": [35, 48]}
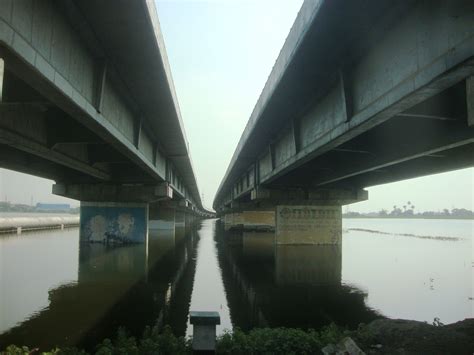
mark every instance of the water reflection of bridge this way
{"type": "Point", "coordinates": [117, 286]}
{"type": "Point", "coordinates": [291, 286]}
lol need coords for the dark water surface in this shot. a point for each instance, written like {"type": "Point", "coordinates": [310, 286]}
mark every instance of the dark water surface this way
{"type": "Point", "coordinates": [57, 292]}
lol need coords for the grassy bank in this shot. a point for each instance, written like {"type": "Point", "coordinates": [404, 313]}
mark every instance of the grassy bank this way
{"type": "Point", "coordinates": [257, 341]}
{"type": "Point", "coordinates": [382, 336]}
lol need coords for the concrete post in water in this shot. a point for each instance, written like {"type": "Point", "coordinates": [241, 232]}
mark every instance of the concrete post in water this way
{"type": "Point", "coordinates": [204, 330]}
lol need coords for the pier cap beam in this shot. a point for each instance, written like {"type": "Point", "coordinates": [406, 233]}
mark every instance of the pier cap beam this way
{"type": "Point", "coordinates": [308, 196]}
{"type": "Point", "coordinates": [114, 192]}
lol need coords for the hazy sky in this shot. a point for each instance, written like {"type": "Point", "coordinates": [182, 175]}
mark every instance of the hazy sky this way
{"type": "Point", "coordinates": [221, 53]}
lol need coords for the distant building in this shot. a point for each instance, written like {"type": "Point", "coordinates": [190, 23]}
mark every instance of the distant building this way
{"type": "Point", "coordinates": [53, 207]}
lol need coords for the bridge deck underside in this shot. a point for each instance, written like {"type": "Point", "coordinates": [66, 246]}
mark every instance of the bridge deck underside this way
{"type": "Point", "coordinates": [361, 95]}
{"type": "Point", "coordinates": [38, 138]}
{"type": "Point", "coordinates": [431, 137]}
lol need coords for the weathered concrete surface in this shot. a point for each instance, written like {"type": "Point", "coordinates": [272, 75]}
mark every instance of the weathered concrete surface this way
{"type": "Point", "coordinates": [320, 225]}
{"type": "Point", "coordinates": [113, 222]}
{"type": "Point", "coordinates": [161, 218]}
{"type": "Point", "coordinates": [250, 220]}
{"type": "Point", "coordinates": [229, 220]}
{"type": "Point", "coordinates": [258, 220]}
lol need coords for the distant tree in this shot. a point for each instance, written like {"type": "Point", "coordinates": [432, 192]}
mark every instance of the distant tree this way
{"type": "Point", "coordinates": [462, 213]}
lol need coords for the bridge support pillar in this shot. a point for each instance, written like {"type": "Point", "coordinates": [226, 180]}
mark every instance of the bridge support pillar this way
{"type": "Point", "coordinates": [188, 220]}
{"type": "Point", "coordinates": [228, 219]}
{"type": "Point", "coordinates": [161, 218]}
{"type": "Point", "coordinates": [258, 220]}
{"type": "Point", "coordinates": [250, 219]}
{"type": "Point", "coordinates": [114, 213]}
{"type": "Point", "coordinates": [301, 216]}
{"type": "Point", "coordinates": [114, 222]}
{"type": "Point", "coordinates": [311, 224]}
{"type": "Point", "coordinates": [179, 224]}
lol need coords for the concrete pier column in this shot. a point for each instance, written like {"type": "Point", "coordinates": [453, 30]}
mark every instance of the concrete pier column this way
{"type": "Point", "coordinates": [188, 220]}
{"type": "Point", "coordinates": [233, 221]}
{"type": "Point", "coordinates": [258, 220]}
{"type": "Point", "coordinates": [113, 222]}
{"type": "Point", "coordinates": [316, 225]}
{"type": "Point", "coordinates": [228, 219]}
{"type": "Point", "coordinates": [250, 220]}
{"type": "Point", "coordinates": [161, 218]}
{"type": "Point", "coordinates": [179, 224]}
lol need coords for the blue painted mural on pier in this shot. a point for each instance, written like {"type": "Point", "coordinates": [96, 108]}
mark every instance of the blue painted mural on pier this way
{"type": "Point", "coordinates": [113, 224]}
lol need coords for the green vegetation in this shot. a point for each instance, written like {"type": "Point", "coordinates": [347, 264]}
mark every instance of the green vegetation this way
{"type": "Point", "coordinates": [257, 341]}
{"type": "Point", "coordinates": [279, 340]}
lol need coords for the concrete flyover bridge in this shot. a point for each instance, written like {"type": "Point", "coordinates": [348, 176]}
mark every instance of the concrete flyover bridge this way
{"type": "Point", "coordinates": [362, 93]}
{"type": "Point", "coordinates": [87, 99]}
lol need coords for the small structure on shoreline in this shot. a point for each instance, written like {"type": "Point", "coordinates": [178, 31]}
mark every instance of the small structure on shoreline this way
{"type": "Point", "coordinates": [204, 330]}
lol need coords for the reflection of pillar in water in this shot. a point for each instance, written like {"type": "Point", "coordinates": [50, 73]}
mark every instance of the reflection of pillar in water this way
{"type": "Point", "coordinates": [104, 263]}
{"type": "Point", "coordinates": [258, 245]}
{"type": "Point", "coordinates": [308, 264]}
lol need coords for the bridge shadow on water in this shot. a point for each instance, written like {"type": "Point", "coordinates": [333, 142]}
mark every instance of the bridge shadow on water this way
{"type": "Point", "coordinates": [300, 286]}
{"type": "Point", "coordinates": [131, 286]}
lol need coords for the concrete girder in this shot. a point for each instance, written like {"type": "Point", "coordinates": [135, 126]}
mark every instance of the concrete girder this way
{"type": "Point", "coordinates": [24, 144]}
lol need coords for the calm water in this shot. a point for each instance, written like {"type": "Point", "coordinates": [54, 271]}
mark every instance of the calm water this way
{"type": "Point", "coordinates": [57, 292]}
